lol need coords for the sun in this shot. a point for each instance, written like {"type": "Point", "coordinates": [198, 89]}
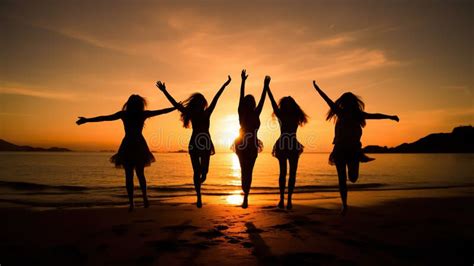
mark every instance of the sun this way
{"type": "Point", "coordinates": [230, 130]}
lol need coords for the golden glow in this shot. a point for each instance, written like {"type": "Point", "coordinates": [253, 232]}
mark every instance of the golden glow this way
{"type": "Point", "coordinates": [193, 48]}
{"type": "Point", "coordinates": [231, 127]}
{"type": "Point", "coordinates": [235, 168]}
{"type": "Point", "coordinates": [235, 199]}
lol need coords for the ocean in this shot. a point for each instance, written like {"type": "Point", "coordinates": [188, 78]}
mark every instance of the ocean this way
{"type": "Point", "coordinates": [88, 179]}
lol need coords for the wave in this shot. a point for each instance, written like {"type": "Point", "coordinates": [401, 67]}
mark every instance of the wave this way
{"type": "Point", "coordinates": [28, 188]}
{"type": "Point", "coordinates": [36, 186]}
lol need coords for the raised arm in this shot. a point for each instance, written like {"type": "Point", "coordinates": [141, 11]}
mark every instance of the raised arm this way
{"type": "Point", "coordinates": [159, 112]}
{"type": "Point", "coordinates": [381, 116]}
{"type": "Point", "coordinates": [266, 83]}
{"type": "Point", "coordinates": [276, 110]}
{"type": "Point", "coordinates": [162, 87]}
{"type": "Point", "coordinates": [218, 94]}
{"type": "Point", "coordinates": [242, 86]}
{"type": "Point", "coordinates": [328, 100]}
{"type": "Point", "coordinates": [102, 118]}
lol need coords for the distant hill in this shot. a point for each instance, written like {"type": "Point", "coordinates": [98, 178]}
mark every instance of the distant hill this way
{"type": "Point", "coordinates": [7, 146]}
{"type": "Point", "coordinates": [460, 140]}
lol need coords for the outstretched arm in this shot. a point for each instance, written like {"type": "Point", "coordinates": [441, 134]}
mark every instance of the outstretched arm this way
{"type": "Point", "coordinates": [218, 94]}
{"type": "Point", "coordinates": [381, 116]}
{"type": "Point", "coordinates": [159, 112]}
{"type": "Point", "coordinates": [266, 83]}
{"type": "Point", "coordinates": [242, 86]}
{"type": "Point", "coordinates": [328, 100]}
{"type": "Point", "coordinates": [276, 110]}
{"type": "Point", "coordinates": [162, 87]}
{"type": "Point", "coordinates": [83, 120]}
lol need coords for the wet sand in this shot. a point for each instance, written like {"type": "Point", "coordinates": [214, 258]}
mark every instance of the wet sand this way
{"type": "Point", "coordinates": [419, 227]}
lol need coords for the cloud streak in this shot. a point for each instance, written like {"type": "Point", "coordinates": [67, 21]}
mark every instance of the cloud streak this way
{"type": "Point", "coordinates": [38, 93]}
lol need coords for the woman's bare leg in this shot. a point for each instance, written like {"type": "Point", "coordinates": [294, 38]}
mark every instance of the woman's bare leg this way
{"type": "Point", "coordinates": [353, 170]}
{"type": "Point", "coordinates": [246, 165]}
{"type": "Point", "coordinates": [341, 173]}
{"type": "Point", "coordinates": [140, 170]}
{"type": "Point", "coordinates": [282, 182]}
{"type": "Point", "coordinates": [197, 178]}
{"type": "Point", "coordinates": [205, 159]}
{"type": "Point", "coordinates": [129, 185]}
{"type": "Point", "coordinates": [292, 180]}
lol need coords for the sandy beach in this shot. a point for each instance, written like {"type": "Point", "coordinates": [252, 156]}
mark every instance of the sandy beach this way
{"type": "Point", "coordinates": [418, 227]}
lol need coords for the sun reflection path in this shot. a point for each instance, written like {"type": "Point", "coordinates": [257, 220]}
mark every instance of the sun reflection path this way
{"type": "Point", "coordinates": [235, 199]}
{"type": "Point", "coordinates": [235, 166]}
{"type": "Point", "coordinates": [235, 196]}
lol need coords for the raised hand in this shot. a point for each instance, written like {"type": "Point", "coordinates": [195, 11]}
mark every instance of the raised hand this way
{"type": "Point", "coordinates": [81, 120]}
{"type": "Point", "coordinates": [266, 82]}
{"type": "Point", "coordinates": [315, 85]}
{"type": "Point", "coordinates": [228, 81]}
{"type": "Point", "coordinates": [244, 74]}
{"type": "Point", "coordinates": [161, 85]}
{"type": "Point", "coordinates": [395, 118]}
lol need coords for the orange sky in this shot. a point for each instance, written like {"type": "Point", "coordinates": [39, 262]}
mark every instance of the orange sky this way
{"type": "Point", "coordinates": [63, 59]}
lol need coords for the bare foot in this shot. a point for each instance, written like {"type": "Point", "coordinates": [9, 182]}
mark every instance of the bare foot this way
{"type": "Point", "coordinates": [245, 204]}
{"type": "Point", "coordinates": [146, 204]}
{"type": "Point", "coordinates": [199, 203]}
{"type": "Point", "coordinates": [281, 204]}
{"type": "Point", "coordinates": [289, 205]}
{"type": "Point", "coordinates": [343, 210]}
{"type": "Point", "coordinates": [203, 179]}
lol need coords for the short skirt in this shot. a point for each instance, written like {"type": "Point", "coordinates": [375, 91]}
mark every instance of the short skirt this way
{"type": "Point", "coordinates": [201, 144]}
{"type": "Point", "coordinates": [345, 153]}
{"type": "Point", "coordinates": [287, 147]}
{"type": "Point", "coordinates": [247, 145]}
{"type": "Point", "coordinates": [133, 151]}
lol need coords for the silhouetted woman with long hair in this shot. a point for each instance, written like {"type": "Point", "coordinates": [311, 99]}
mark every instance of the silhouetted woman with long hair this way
{"type": "Point", "coordinates": [247, 145]}
{"type": "Point", "coordinates": [287, 148]}
{"type": "Point", "coordinates": [133, 153]}
{"type": "Point", "coordinates": [196, 112]}
{"type": "Point", "coordinates": [349, 116]}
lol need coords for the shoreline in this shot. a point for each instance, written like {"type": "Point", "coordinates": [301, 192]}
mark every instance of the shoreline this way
{"type": "Point", "coordinates": [232, 197]}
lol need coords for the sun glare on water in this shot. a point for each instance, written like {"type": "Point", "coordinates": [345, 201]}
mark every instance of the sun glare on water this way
{"type": "Point", "coordinates": [235, 199]}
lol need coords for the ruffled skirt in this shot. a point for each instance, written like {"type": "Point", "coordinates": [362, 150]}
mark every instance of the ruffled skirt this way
{"type": "Point", "coordinates": [133, 151]}
{"type": "Point", "coordinates": [348, 153]}
{"type": "Point", "coordinates": [201, 145]}
{"type": "Point", "coordinates": [247, 145]}
{"type": "Point", "coordinates": [287, 146]}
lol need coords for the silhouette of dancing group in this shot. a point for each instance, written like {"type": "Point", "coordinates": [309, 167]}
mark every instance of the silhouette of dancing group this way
{"type": "Point", "coordinates": [347, 111]}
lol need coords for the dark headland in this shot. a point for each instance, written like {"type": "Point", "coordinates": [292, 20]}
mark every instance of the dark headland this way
{"type": "Point", "coordinates": [7, 146]}
{"type": "Point", "coordinates": [460, 140]}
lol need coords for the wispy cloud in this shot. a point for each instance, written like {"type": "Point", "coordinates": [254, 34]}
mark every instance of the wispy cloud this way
{"type": "Point", "coordinates": [39, 93]}
{"type": "Point", "coordinates": [334, 41]}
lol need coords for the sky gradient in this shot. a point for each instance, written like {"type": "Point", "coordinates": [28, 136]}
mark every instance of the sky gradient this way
{"type": "Point", "coordinates": [63, 59]}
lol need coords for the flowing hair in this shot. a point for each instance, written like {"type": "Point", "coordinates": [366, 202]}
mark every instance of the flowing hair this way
{"type": "Point", "coordinates": [194, 104]}
{"type": "Point", "coordinates": [289, 108]}
{"type": "Point", "coordinates": [134, 104]}
{"type": "Point", "coordinates": [350, 105]}
{"type": "Point", "coordinates": [248, 104]}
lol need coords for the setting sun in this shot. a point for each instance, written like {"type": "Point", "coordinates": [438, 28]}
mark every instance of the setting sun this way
{"type": "Point", "coordinates": [230, 130]}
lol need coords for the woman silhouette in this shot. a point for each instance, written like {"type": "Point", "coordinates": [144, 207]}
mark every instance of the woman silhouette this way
{"type": "Point", "coordinates": [287, 147]}
{"type": "Point", "coordinates": [133, 153]}
{"type": "Point", "coordinates": [195, 110]}
{"type": "Point", "coordinates": [349, 116]}
{"type": "Point", "coordinates": [247, 145]}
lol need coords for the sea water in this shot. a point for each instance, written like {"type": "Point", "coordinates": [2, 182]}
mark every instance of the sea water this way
{"type": "Point", "coordinates": [81, 179]}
